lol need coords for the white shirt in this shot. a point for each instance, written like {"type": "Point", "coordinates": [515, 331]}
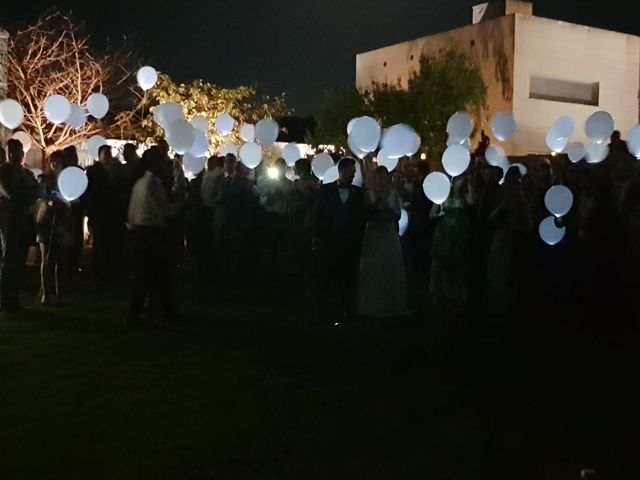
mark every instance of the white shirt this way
{"type": "Point", "coordinates": [149, 205]}
{"type": "Point", "coordinates": [344, 194]}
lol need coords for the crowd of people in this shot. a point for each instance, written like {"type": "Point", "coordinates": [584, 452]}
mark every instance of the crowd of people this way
{"type": "Point", "coordinates": [337, 246]}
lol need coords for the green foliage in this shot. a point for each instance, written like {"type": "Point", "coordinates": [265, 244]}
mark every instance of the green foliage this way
{"type": "Point", "coordinates": [442, 86]}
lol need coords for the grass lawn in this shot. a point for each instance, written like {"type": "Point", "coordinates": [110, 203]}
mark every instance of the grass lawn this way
{"type": "Point", "coordinates": [261, 390]}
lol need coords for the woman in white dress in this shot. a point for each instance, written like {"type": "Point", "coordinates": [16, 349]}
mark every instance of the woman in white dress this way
{"type": "Point", "coordinates": [382, 282]}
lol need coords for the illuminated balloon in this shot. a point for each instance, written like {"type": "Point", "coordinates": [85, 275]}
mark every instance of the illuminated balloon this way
{"type": "Point", "coordinates": [225, 123]}
{"type": "Point", "coordinates": [250, 155]}
{"type": "Point", "coordinates": [57, 109]}
{"type": "Point", "coordinates": [365, 134]}
{"type": "Point", "coordinates": [403, 223]}
{"type": "Point", "coordinates": [436, 187]}
{"type": "Point", "coordinates": [78, 117]}
{"type": "Point", "coordinates": [147, 77]}
{"type": "Point", "coordinates": [549, 233]}
{"type": "Point", "coordinates": [167, 113]}
{"type": "Point", "coordinates": [320, 164]}
{"type": "Point", "coordinates": [248, 132]}
{"type": "Point", "coordinates": [357, 179]}
{"type": "Point", "coordinates": [556, 144]}
{"type": "Point", "coordinates": [356, 151]}
{"type": "Point", "coordinates": [460, 126]}
{"type": "Point", "coordinates": [384, 160]}
{"type": "Point", "coordinates": [200, 145]}
{"type": "Point", "coordinates": [456, 160]}
{"type": "Point", "coordinates": [200, 122]}
{"type": "Point", "coordinates": [97, 105]}
{"type": "Point", "coordinates": [72, 183]}
{"type": "Point", "coordinates": [521, 167]}
{"type": "Point", "coordinates": [181, 136]}
{"type": "Point", "coordinates": [599, 126]}
{"type": "Point", "coordinates": [192, 164]}
{"type": "Point", "coordinates": [503, 125]}
{"type": "Point", "coordinates": [228, 148]}
{"type": "Point", "coordinates": [576, 152]}
{"type": "Point", "coordinates": [495, 156]}
{"type": "Point", "coordinates": [11, 113]}
{"type": "Point", "coordinates": [267, 131]}
{"type": "Point", "coordinates": [94, 144]}
{"type": "Point", "coordinates": [350, 125]}
{"type": "Point", "coordinates": [331, 175]}
{"type": "Point", "coordinates": [633, 141]}
{"type": "Point", "coordinates": [563, 127]}
{"type": "Point", "coordinates": [558, 200]}
{"type": "Point", "coordinates": [291, 154]}
{"type": "Point", "coordinates": [25, 139]}
{"type": "Point", "coordinates": [400, 140]}
{"type": "Point", "coordinates": [596, 152]}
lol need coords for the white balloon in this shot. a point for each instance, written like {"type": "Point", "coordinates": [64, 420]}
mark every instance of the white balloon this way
{"type": "Point", "coordinates": [78, 117]}
{"type": "Point", "coordinates": [358, 180]}
{"type": "Point", "coordinates": [456, 160]}
{"type": "Point", "coordinates": [460, 126]}
{"type": "Point", "coordinates": [403, 223]}
{"type": "Point", "coordinates": [167, 113]}
{"type": "Point", "coordinates": [365, 134]}
{"type": "Point", "coordinates": [147, 77]}
{"type": "Point", "coordinates": [57, 109]}
{"type": "Point", "coordinates": [495, 155]}
{"type": "Point", "coordinates": [558, 200]}
{"type": "Point", "coordinates": [350, 125]}
{"type": "Point", "coordinates": [94, 144]}
{"type": "Point", "coordinates": [251, 155]}
{"type": "Point", "coordinates": [200, 145]}
{"type": "Point", "coordinates": [399, 140]}
{"type": "Point", "coordinates": [633, 141]}
{"type": "Point", "coordinates": [384, 160]}
{"type": "Point", "coordinates": [576, 152]}
{"type": "Point", "coordinates": [11, 113]}
{"type": "Point", "coordinates": [25, 139]}
{"type": "Point", "coordinates": [549, 233]}
{"type": "Point", "coordinates": [225, 123]}
{"type": "Point", "coordinates": [356, 151]}
{"type": "Point", "coordinates": [331, 175]}
{"type": "Point", "coordinates": [563, 127]}
{"type": "Point", "coordinates": [467, 144]}
{"type": "Point", "coordinates": [521, 167]}
{"type": "Point", "coordinates": [267, 131]}
{"type": "Point", "coordinates": [599, 126]}
{"type": "Point", "coordinates": [320, 164]}
{"type": "Point", "coordinates": [200, 122]}
{"type": "Point", "coordinates": [596, 152]}
{"type": "Point", "coordinates": [556, 144]}
{"type": "Point", "coordinates": [415, 146]}
{"type": "Point", "coordinates": [228, 148]}
{"type": "Point", "coordinates": [97, 105]}
{"type": "Point", "coordinates": [248, 132]}
{"type": "Point", "coordinates": [437, 187]}
{"type": "Point", "coordinates": [503, 125]}
{"type": "Point", "coordinates": [72, 183]}
{"type": "Point", "coordinates": [291, 154]}
{"type": "Point", "coordinates": [193, 165]}
{"type": "Point", "coordinates": [181, 136]}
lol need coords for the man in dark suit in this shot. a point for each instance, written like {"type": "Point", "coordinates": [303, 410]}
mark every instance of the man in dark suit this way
{"type": "Point", "coordinates": [338, 237]}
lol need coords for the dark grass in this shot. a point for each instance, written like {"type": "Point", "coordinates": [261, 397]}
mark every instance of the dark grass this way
{"type": "Point", "coordinates": [262, 389]}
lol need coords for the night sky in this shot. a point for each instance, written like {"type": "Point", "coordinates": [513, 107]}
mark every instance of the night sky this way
{"type": "Point", "coordinates": [294, 46]}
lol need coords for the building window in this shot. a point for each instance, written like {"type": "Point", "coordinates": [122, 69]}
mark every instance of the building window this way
{"type": "Point", "coordinates": [567, 91]}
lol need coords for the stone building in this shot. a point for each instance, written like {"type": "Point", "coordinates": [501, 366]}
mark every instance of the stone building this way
{"type": "Point", "coordinates": [536, 68]}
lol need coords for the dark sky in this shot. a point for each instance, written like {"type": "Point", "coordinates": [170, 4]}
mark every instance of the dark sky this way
{"type": "Point", "coordinates": [294, 46]}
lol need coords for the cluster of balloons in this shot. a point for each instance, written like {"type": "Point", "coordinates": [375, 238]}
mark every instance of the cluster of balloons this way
{"type": "Point", "coordinates": [558, 201]}
{"type": "Point", "coordinates": [598, 128]}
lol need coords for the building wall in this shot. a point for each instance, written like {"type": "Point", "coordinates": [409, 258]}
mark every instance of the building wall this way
{"type": "Point", "coordinates": [489, 44]}
{"type": "Point", "coordinates": [4, 39]}
{"type": "Point", "coordinates": [565, 51]}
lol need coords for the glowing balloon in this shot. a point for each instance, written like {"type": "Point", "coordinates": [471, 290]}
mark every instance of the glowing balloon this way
{"type": "Point", "coordinates": [576, 152]}
{"type": "Point", "coordinates": [436, 187]}
{"type": "Point", "coordinates": [97, 105]}
{"type": "Point", "coordinates": [596, 152]}
{"type": "Point", "coordinates": [25, 139]}
{"type": "Point", "coordinates": [331, 175]}
{"type": "Point", "coordinates": [549, 233]}
{"type": "Point", "coordinates": [365, 134]}
{"type": "Point", "coordinates": [459, 126]}
{"type": "Point", "coordinates": [181, 136]}
{"type": "Point", "coordinates": [320, 164]}
{"type": "Point", "coordinates": [521, 167]}
{"type": "Point", "coordinates": [599, 126]}
{"type": "Point", "coordinates": [503, 125]}
{"type": "Point", "coordinates": [291, 154]}
{"type": "Point", "coordinates": [250, 155]}
{"type": "Point", "coordinates": [94, 144]}
{"type": "Point", "coordinates": [400, 140]}
{"type": "Point", "coordinates": [357, 179]}
{"type": "Point", "coordinates": [57, 109]}
{"type": "Point", "coordinates": [350, 125]}
{"type": "Point", "coordinates": [563, 127]}
{"type": "Point", "coordinates": [167, 113]}
{"type": "Point", "coordinates": [456, 160]}
{"type": "Point", "coordinates": [556, 144]}
{"type": "Point", "coordinates": [384, 160]}
{"type": "Point", "coordinates": [11, 113]}
{"type": "Point", "coordinates": [200, 145]}
{"type": "Point", "coordinates": [248, 132]}
{"type": "Point", "coordinates": [228, 148]}
{"type": "Point", "coordinates": [200, 122]}
{"type": "Point", "coordinates": [147, 77]}
{"type": "Point", "coordinates": [192, 164]}
{"type": "Point", "coordinates": [77, 118]}
{"type": "Point", "coordinates": [267, 131]}
{"type": "Point", "coordinates": [633, 141]}
{"type": "Point", "coordinates": [356, 151]}
{"type": "Point", "coordinates": [495, 156]}
{"type": "Point", "coordinates": [225, 123]}
{"type": "Point", "coordinates": [72, 183]}
{"type": "Point", "coordinates": [403, 223]}
{"type": "Point", "coordinates": [558, 200]}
